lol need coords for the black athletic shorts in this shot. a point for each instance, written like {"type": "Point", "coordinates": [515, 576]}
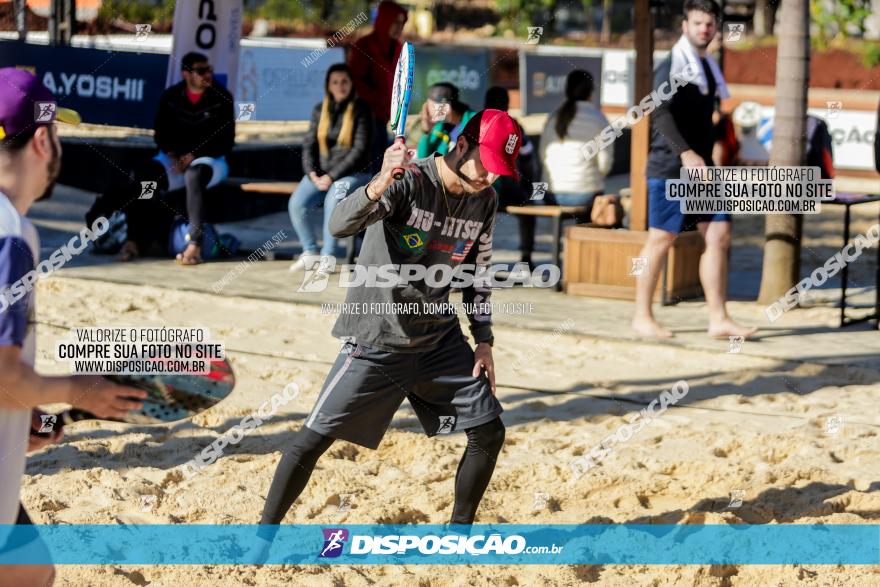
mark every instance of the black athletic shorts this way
{"type": "Point", "coordinates": [366, 385]}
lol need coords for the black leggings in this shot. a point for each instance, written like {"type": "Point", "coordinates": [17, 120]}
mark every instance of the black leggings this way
{"type": "Point", "coordinates": [473, 475]}
{"type": "Point", "coordinates": [475, 469]}
{"type": "Point", "coordinates": [293, 472]}
{"type": "Point", "coordinates": [526, 236]}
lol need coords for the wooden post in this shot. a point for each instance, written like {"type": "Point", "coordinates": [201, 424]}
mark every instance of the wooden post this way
{"type": "Point", "coordinates": [54, 23]}
{"type": "Point", "coordinates": [62, 22]}
{"type": "Point", "coordinates": [597, 260]}
{"type": "Point", "coordinates": [21, 18]}
{"type": "Point", "coordinates": [69, 20]}
{"type": "Point", "coordinates": [641, 134]}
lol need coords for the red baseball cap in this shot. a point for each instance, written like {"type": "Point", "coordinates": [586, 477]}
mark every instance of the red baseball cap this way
{"type": "Point", "coordinates": [499, 138]}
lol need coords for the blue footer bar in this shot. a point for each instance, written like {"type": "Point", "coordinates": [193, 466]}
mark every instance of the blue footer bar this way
{"type": "Point", "coordinates": [440, 544]}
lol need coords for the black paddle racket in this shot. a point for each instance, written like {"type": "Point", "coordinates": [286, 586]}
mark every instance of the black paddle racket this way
{"type": "Point", "coordinates": [171, 398]}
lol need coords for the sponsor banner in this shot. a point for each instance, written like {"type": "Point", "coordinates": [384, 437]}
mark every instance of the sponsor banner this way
{"type": "Point", "coordinates": [618, 71]}
{"type": "Point", "coordinates": [465, 68]}
{"type": "Point", "coordinates": [106, 87]}
{"type": "Point", "coordinates": [852, 132]}
{"type": "Point", "coordinates": [615, 85]}
{"type": "Point", "coordinates": [123, 87]}
{"type": "Point", "coordinates": [542, 79]}
{"type": "Point", "coordinates": [275, 81]}
{"type": "Point", "coordinates": [667, 544]}
{"type": "Point", "coordinates": [618, 66]}
{"type": "Point", "coordinates": [212, 27]}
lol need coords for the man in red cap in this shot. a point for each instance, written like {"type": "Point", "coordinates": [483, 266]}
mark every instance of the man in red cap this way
{"type": "Point", "coordinates": [30, 160]}
{"type": "Point", "coordinates": [432, 229]}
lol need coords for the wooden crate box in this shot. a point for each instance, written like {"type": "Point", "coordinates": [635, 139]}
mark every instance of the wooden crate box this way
{"type": "Point", "coordinates": [597, 262]}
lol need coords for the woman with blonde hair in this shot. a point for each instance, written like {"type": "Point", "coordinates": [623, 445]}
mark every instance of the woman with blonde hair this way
{"type": "Point", "coordinates": [336, 161]}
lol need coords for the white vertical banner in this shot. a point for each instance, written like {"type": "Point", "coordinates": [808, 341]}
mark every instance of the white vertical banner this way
{"type": "Point", "coordinates": [617, 82]}
{"type": "Point", "coordinates": [852, 135]}
{"type": "Point", "coordinates": [211, 27]}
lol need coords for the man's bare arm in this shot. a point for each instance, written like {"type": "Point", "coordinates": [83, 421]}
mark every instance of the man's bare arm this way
{"type": "Point", "coordinates": [23, 388]}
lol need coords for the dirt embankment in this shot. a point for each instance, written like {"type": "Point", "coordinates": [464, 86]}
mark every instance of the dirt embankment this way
{"type": "Point", "coordinates": [834, 68]}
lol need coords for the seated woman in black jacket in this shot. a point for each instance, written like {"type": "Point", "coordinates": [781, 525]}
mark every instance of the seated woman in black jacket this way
{"type": "Point", "coordinates": [336, 161]}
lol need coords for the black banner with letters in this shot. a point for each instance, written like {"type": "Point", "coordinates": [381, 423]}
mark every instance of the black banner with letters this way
{"type": "Point", "coordinates": [542, 79]}
{"type": "Point", "coordinates": [106, 87]}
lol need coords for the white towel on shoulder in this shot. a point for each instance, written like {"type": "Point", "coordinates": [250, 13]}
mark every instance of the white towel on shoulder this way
{"type": "Point", "coordinates": [683, 54]}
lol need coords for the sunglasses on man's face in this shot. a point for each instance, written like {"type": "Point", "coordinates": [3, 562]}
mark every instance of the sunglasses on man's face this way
{"type": "Point", "coordinates": [202, 70]}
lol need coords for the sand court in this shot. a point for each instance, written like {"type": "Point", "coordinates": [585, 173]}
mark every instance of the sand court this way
{"type": "Point", "coordinates": [790, 440]}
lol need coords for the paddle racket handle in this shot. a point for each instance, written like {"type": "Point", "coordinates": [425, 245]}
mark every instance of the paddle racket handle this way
{"type": "Point", "coordinates": [67, 417]}
{"type": "Point", "coordinates": [398, 172]}
{"type": "Point", "coordinates": [75, 415]}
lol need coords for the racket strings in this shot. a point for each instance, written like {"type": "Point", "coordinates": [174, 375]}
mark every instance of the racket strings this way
{"type": "Point", "coordinates": [180, 399]}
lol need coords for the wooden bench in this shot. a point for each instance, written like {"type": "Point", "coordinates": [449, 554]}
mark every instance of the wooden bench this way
{"type": "Point", "coordinates": [558, 214]}
{"type": "Point", "coordinates": [284, 188]}
{"type": "Point", "coordinates": [281, 188]}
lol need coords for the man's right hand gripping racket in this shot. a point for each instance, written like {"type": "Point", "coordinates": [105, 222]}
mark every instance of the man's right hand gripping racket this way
{"type": "Point", "coordinates": [401, 93]}
{"type": "Point", "coordinates": [170, 397]}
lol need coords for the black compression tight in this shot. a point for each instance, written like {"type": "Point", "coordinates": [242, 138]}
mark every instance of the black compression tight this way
{"type": "Point", "coordinates": [475, 469]}
{"type": "Point", "coordinates": [471, 479]}
{"type": "Point", "coordinates": [526, 236]}
{"type": "Point", "coordinates": [293, 473]}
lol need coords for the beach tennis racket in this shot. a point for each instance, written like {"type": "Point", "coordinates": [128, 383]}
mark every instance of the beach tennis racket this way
{"type": "Point", "coordinates": [171, 398]}
{"type": "Point", "coordinates": [401, 93]}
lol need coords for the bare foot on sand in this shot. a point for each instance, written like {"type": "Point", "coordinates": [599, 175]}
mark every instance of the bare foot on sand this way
{"type": "Point", "coordinates": [650, 328]}
{"type": "Point", "coordinates": [192, 255]}
{"type": "Point", "coordinates": [728, 327]}
{"type": "Point", "coordinates": [128, 252]}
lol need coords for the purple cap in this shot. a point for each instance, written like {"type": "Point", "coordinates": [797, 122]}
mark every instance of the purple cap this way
{"type": "Point", "coordinates": [25, 103]}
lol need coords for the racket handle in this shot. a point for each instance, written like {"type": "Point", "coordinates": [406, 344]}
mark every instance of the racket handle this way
{"type": "Point", "coordinates": [398, 172]}
{"type": "Point", "coordinates": [74, 415]}
{"type": "Point", "coordinates": [67, 417]}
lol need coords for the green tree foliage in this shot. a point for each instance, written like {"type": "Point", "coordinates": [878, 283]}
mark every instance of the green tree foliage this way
{"type": "Point", "coordinates": [281, 10]}
{"type": "Point", "coordinates": [519, 15]}
{"type": "Point", "coordinates": [588, 10]}
{"type": "Point", "coordinates": [137, 12]}
{"type": "Point", "coordinates": [323, 13]}
{"type": "Point", "coordinates": [329, 14]}
{"type": "Point", "coordinates": [835, 19]}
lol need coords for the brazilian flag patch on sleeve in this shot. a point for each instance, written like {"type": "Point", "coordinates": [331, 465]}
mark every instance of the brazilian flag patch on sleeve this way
{"type": "Point", "coordinates": [412, 240]}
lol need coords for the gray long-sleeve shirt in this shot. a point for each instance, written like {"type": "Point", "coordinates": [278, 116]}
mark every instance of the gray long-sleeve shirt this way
{"type": "Point", "coordinates": [410, 224]}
